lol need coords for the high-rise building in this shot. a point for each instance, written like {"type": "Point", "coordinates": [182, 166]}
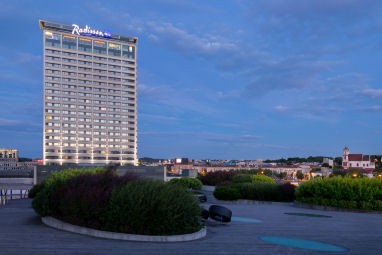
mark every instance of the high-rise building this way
{"type": "Point", "coordinates": [90, 96]}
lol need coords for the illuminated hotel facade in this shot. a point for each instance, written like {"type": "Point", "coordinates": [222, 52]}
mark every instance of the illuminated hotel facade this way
{"type": "Point", "coordinates": [90, 96]}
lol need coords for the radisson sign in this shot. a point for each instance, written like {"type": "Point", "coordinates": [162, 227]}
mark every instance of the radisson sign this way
{"type": "Point", "coordinates": [89, 31]}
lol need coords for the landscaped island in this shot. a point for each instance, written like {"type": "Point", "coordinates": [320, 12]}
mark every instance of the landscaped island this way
{"type": "Point", "coordinates": [100, 199]}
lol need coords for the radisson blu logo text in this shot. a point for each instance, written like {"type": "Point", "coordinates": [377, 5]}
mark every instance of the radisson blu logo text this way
{"type": "Point", "coordinates": [89, 31]}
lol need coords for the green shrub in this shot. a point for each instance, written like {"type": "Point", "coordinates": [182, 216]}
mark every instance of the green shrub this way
{"type": "Point", "coordinates": [217, 177]}
{"type": "Point", "coordinates": [43, 202]}
{"type": "Point", "coordinates": [241, 178]}
{"type": "Point", "coordinates": [343, 192]}
{"type": "Point", "coordinates": [260, 191]}
{"type": "Point", "coordinates": [229, 192]}
{"type": "Point", "coordinates": [188, 183]}
{"type": "Point", "coordinates": [263, 178]}
{"type": "Point", "coordinates": [82, 200]}
{"type": "Point", "coordinates": [256, 191]}
{"type": "Point", "coordinates": [35, 189]}
{"type": "Point", "coordinates": [152, 208]}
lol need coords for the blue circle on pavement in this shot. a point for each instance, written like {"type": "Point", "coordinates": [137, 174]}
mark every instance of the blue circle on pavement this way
{"type": "Point", "coordinates": [303, 244]}
{"type": "Point", "coordinates": [246, 220]}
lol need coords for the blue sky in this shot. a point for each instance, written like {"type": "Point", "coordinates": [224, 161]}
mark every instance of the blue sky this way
{"type": "Point", "coordinates": [218, 79]}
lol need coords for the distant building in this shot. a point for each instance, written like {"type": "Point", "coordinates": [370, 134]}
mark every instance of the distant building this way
{"type": "Point", "coordinates": [9, 154]}
{"type": "Point", "coordinates": [328, 161]}
{"type": "Point", "coordinates": [9, 160]}
{"type": "Point", "coordinates": [356, 161]}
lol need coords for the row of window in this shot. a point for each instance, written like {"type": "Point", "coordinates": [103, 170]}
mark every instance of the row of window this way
{"type": "Point", "coordinates": [80, 87]}
{"type": "Point", "coordinates": [92, 87]}
{"type": "Point", "coordinates": [84, 56]}
{"type": "Point", "coordinates": [97, 71]}
{"type": "Point", "coordinates": [88, 139]}
{"type": "Point", "coordinates": [97, 114]}
{"type": "Point", "coordinates": [95, 126]}
{"type": "Point", "coordinates": [108, 93]}
{"type": "Point", "coordinates": [97, 108]}
{"type": "Point", "coordinates": [85, 101]}
{"type": "Point", "coordinates": [99, 77]}
{"type": "Point", "coordinates": [102, 108]}
{"type": "Point", "coordinates": [79, 119]}
{"type": "Point", "coordinates": [74, 56]}
{"type": "Point", "coordinates": [58, 65]}
{"type": "Point", "coordinates": [67, 63]}
{"type": "Point", "coordinates": [89, 158]}
{"type": "Point", "coordinates": [89, 45]}
{"type": "Point", "coordinates": [87, 151]}
{"type": "Point", "coordinates": [100, 145]}
{"type": "Point", "coordinates": [70, 99]}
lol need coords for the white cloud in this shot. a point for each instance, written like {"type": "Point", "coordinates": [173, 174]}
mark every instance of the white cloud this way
{"type": "Point", "coordinates": [281, 108]}
{"type": "Point", "coordinates": [372, 92]}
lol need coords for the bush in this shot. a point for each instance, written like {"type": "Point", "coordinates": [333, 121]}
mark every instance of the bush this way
{"type": "Point", "coordinates": [188, 183]}
{"type": "Point", "coordinates": [260, 191]}
{"type": "Point", "coordinates": [263, 178]}
{"type": "Point", "coordinates": [287, 191]}
{"type": "Point", "coordinates": [216, 178]}
{"type": "Point", "coordinates": [35, 189]}
{"type": "Point", "coordinates": [359, 193]}
{"type": "Point", "coordinates": [43, 202]}
{"type": "Point", "coordinates": [152, 208]}
{"type": "Point", "coordinates": [227, 192]}
{"type": "Point", "coordinates": [256, 191]}
{"type": "Point", "coordinates": [82, 200]}
{"type": "Point", "coordinates": [241, 178]}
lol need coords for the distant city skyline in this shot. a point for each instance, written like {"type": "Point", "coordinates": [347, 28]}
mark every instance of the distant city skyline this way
{"type": "Point", "coordinates": [218, 79]}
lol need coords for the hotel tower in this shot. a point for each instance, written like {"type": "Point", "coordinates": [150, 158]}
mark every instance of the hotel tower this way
{"type": "Point", "coordinates": [90, 96]}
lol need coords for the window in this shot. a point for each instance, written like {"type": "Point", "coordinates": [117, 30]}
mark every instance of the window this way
{"type": "Point", "coordinates": [69, 42]}
{"type": "Point", "coordinates": [128, 51]}
{"type": "Point", "coordinates": [85, 44]}
{"type": "Point", "coordinates": [52, 39]}
{"type": "Point", "coordinates": [114, 49]}
{"type": "Point", "coordinates": [99, 47]}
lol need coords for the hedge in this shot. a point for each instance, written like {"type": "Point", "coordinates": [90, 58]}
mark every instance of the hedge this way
{"type": "Point", "coordinates": [152, 208]}
{"type": "Point", "coordinates": [82, 200]}
{"type": "Point", "coordinates": [44, 203]}
{"type": "Point", "coordinates": [342, 192]}
{"type": "Point", "coordinates": [217, 177]}
{"type": "Point", "coordinates": [256, 191]}
{"type": "Point", "coordinates": [188, 183]}
{"type": "Point", "coordinates": [263, 179]}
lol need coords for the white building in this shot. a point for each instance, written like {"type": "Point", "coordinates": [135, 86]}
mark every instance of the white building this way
{"type": "Point", "coordinates": [90, 96]}
{"type": "Point", "coordinates": [356, 161]}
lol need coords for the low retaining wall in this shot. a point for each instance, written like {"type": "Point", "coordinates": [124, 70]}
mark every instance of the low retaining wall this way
{"type": "Point", "coordinates": [54, 223]}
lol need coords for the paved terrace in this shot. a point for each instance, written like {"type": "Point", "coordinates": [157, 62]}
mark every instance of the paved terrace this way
{"type": "Point", "coordinates": [21, 232]}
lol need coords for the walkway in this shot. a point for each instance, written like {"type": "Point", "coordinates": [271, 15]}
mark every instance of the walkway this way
{"type": "Point", "coordinates": [21, 232]}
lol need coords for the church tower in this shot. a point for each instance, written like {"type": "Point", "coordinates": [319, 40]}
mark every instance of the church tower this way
{"type": "Point", "coordinates": [345, 158]}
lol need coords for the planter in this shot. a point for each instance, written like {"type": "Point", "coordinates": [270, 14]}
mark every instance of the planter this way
{"type": "Point", "coordinates": [54, 223]}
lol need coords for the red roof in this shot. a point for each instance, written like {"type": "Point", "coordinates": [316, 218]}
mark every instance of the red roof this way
{"type": "Point", "coordinates": [355, 157]}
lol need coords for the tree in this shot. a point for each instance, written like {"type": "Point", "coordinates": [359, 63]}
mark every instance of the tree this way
{"type": "Point", "coordinates": [300, 175]}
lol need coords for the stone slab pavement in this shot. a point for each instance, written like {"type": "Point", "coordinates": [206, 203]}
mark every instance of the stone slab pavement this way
{"type": "Point", "coordinates": [21, 232]}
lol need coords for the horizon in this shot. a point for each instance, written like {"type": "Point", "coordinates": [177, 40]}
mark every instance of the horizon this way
{"type": "Point", "coordinates": [218, 79]}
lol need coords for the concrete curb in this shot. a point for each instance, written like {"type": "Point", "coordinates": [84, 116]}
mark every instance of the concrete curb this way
{"type": "Point", "coordinates": [54, 223]}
